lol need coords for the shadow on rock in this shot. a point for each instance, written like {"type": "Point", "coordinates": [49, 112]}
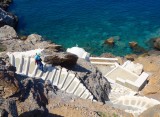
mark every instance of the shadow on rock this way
{"type": "Point", "coordinates": [38, 113]}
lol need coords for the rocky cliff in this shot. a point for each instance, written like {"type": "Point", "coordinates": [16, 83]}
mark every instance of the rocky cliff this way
{"type": "Point", "coordinates": [6, 17]}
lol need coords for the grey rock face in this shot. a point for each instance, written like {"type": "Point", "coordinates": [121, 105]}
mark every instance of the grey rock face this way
{"type": "Point", "coordinates": [8, 108]}
{"type": "Point", "coordinates": [34, 39]}
{"type": "Point", "coordinates": [93, 80]}
{"type": "Point", "coordinates": [7, 32]}
{"type": "Point", "coordinates": [7, 19]}
{"type": "Point", "coordinates": [8, 82]}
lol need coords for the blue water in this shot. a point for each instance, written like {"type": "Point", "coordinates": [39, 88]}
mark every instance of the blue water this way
{"type": "Point", "coordinates": [89, 22]}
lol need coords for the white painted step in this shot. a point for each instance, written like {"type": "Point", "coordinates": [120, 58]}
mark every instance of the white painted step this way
{"type": "Point", "coordinates": [81, 88]}
{"type": "Point", "coordinates": [56, 77]}
{"type": "Point", "coordinates": [68, 81]}
{"type": "Point", "coordinates": [21, 65]}
{"type": "Point", "coordinates": [25, 66]}
{"type": "Point", "coordinates": [90, 97]}
{"type": "Point", "coordinates": [46, 71]}
{"type": "Point", "coordinates": [40, 73]}
{"type": "Point", "coordinates": [52, 75]}
{"type": "Point", "coordinates": [12, 59]}
{"type": "Point", "coordinates": [135, 104]}
{"type": "Point", "coordinates": [17, 64]}
{"type": "Point", "coordinates": [63, 77]}
{"type": "Point", "coordinates": [86, 94]}
{"type": "Point", "coordinates": [32, 67]}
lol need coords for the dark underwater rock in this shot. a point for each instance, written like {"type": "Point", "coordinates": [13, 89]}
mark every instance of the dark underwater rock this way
{"type": "Point", "coordinates": [109, 41]}
{"type": "Point", "coordinates": [5, 4]}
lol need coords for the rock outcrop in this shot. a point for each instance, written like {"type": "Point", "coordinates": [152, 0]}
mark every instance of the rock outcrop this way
{"type": "Point", "coordinates": [136, 48]}
{"type": "Point", "coordinates": [109, 41]}
{"type": "Point", "coordinates": [7, 32]}
{"type": "Point", "coordinates": [151, 112]}
{"type": "Point", "coordinates": [13, 43]}
{"type": "Point", "coordinates": [157, 43]}
{"type": "Point", "coordinates": [93, 80]}
{"type": "Point", "coordinates": [151, 64]}
{"type": "Point", "coordinates": [8, 82]}
{"type": "Point", "coordinates": [5, 3]}
{"type": "Point", "coordinates": [133, 44]}
{"type": "Point", "coordinates": [7, 19]}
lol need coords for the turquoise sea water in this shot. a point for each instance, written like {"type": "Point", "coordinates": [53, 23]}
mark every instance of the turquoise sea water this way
{"type": "Point", "coordinates": [89, 22]}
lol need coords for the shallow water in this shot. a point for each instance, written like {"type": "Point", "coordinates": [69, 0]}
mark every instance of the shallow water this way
{"type": "Point", "coordinates": [89, 22]}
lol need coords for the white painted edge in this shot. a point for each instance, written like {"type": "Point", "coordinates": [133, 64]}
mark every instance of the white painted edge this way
{"type": "Point", "coordinates": [102, 58]}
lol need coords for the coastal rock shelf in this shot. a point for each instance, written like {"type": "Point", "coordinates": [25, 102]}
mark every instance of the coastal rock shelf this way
{"type": "Point", "coordinates": [60, 77]}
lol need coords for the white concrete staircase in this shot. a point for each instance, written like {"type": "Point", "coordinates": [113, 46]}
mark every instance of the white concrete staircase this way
{"type": "Point", "coordinates": [60, 77]}
{"type": "Point", "coordinates": [134, 104]}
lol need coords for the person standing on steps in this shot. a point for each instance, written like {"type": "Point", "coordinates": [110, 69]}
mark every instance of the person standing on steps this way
{"type": "Point", "coordinates": [38, 61]}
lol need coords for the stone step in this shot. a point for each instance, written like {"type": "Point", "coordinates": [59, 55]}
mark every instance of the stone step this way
{"type": "Point", "coordinates": [46, 71]}
{"type": "Point", "coordinates": [63, 77]}
{"type": "Point", "coordinates": [86, 94]}
{"type": "Point", "coordinates": [17, 64]}
{"type": "Point", "coordinates": [38, 73]}
{"type": "Point", "coordinates": [68, 81]}
{"type": "Point", "coordinates": [12, 59]}
{"type": "Point", "coordinates": [56, 77]}
{"type": "Point", "coordinates": [90, 97]}
{"type": "Point", "coordinates": [51, 75]}
{"type": "Point", "coordinates": [32, 67]}
{"type": "Point", "coordinates": [25, 66]}
{"type": "Point", "coordinates": [81, 88]}
{"type": "Point", "coordinates": [43, 73]}
{"type": "Point", "coordinates": [73, 86]}
{"type": "Point", "coordinates": [133, 102]}
{"type": "Point", "coordinates": [21, 65]}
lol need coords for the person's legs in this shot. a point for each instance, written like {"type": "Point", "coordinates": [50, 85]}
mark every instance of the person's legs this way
{"type": "Point", "coordinates": [41, 66]}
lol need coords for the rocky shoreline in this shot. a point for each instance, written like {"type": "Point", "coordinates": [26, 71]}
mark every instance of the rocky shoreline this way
{"type": "Point", "coordinates": [28, 97]}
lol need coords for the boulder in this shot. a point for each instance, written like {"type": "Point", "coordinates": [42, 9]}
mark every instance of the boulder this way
{"type": "Point", "coordinates": [61, 58]}
{"type": "Point", "coordinates": [131, 57]}
{"type": "Point", "coordinates": [133, 44]}
{"type": "Point", "coordinates": [7, 19]}
{"type": "Point", "coordinates": [151, 112]}
{"type": "Point", "coordinates": [109, 41]}
{"type": "Point", "coordinates": [136, 48]}
{"type": "Point", "coordinates": [34, 38]}
{"type": "Point", "coordinates": [7, 32]}
{"type": "Point", "coordinates": [157, 43]}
